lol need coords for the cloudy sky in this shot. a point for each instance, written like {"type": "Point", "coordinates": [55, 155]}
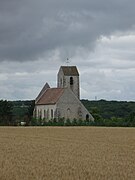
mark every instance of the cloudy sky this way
{"type": "Point", "coordinates": [98, 36]}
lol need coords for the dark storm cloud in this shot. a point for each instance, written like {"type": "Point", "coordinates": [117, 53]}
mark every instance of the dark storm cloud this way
{"type": "Point", "coordinates": [30, 29]}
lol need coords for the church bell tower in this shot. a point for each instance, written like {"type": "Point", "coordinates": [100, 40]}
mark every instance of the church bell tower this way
{"type": "Point", "coordinates": [68, 76]}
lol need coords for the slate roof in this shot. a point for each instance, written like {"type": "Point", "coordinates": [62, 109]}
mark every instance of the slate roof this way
{"type": "Point", "coordinates": [50, 96]}
{"type": "Point", "coordinates": [46, 86]}
{"type": "Point", "coordinates": [70, 70]}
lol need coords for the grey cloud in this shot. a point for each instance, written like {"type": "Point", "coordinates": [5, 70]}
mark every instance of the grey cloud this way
{"type": "Point", "coordinates": [98, 36]}
{"type": "Point", "coordinates": [30, 29]}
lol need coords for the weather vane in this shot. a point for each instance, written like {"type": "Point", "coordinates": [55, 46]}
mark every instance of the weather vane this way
{"type": "Point", "coordinates": [67, 61]}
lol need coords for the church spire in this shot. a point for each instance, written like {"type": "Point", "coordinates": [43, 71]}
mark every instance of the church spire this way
{"type": "Point", "coordinates": [68, 76]}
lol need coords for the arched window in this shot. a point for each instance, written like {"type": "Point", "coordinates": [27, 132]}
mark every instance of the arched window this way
{"type": "Point", "coordinates": [40, 117]}
{"type": "Point", "coordinates": [51, 113]}
{"type": "Point", "coordinates": [44, 113]}
{"type": "Point", "coordinates": [68, 113]}
{"type": "Point", "coordinates": [80, 112]}
{"type": "Point", "coordinates": [71, 80]}
{"type": "Point", "coordinates": [87, 117]}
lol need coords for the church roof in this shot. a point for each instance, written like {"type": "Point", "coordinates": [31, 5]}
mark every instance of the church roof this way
{"type": "Point", "coordinates": [70, 70]}
{"type": "Point", "coordinates": [50, 96]}
{"type": "Point", "coordinates": [46, 86]}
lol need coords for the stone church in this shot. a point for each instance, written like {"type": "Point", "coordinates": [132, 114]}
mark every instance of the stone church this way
{"type": "Point", "coordinates": [64, 100]}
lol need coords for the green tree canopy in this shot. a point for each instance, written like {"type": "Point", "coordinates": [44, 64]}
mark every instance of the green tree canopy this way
{"type": "Point", "coordinates": [5, 112]}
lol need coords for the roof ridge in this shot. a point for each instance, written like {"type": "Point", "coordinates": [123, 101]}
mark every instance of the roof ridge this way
{"type": "Point", "coordinates": [45, 87]}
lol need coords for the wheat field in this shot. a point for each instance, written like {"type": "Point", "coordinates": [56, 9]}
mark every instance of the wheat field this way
{"type": "Point", "coordinates": [67, 153]}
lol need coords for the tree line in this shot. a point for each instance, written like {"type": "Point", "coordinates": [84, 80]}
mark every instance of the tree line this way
{"type": "Point", "coordinates": [112, 113]}
{"type": "Point", "coordinates": [105, 113]}
{"type": "Point", "coordinates": [14, 112]}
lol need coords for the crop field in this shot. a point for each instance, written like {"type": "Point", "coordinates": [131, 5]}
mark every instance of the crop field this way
{"type": "Point", "coordinates": [67, 153]}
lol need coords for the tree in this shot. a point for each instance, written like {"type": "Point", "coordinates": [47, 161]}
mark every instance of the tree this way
{"type": "Point", "coordinates": [98, 120]}
{"type": "Point", "coordinates": [5, 112]}
{"type": "Point", "coordinates": [68, 122]}
{"type": "Point", "coordinates": [31, 106]}
{"type": "Point", "coordinates": [131, 119]}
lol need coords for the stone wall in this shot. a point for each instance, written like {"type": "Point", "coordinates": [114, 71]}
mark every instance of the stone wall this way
{"type": "Point", "coordinates": [45, 111]}
{"type": "Point", "coordinates": [71, 107]}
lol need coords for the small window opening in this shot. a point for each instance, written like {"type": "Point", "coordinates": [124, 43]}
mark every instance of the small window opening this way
{"type": "Point", "coordinates": [71, 80]}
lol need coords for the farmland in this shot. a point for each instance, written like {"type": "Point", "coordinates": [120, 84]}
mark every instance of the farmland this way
{"type": "Point", "coordinates": [67, 153]}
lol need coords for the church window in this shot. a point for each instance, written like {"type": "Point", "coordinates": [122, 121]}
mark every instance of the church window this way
{"type": "Point", "coordinates": [71, 80]}
{"type": "Point", "coordinates": [87, 117]}
{"type": "Point", "coordinates": [52, 113]}
{"type": "Point", "coordinates": [44, 113]}
{"type": "Point", "coordinates": [40, 117]}
{"type": "Point", "coordinates": [68, 113]}
{"type": "Point", "coordinates": [80, 112]}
